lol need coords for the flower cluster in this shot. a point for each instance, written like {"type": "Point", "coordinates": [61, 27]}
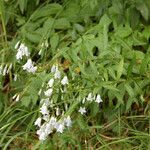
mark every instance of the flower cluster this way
{"type": "Point", "coordinates": [52, 124]}
{"type": "Point", "coordinates": [48, 123]}
{"type": "Point", "coordinates": [5, 69]}
{"type": "Point", "coordinates": [22, 50]}
{"type": "Point", "coordinates": [90, 98]}
{"type": "Point", "coordinates": [29, 66]}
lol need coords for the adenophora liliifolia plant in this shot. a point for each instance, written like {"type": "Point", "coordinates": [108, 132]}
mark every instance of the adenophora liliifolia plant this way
{"type": "Point", "coordinates": [52, 115]}
{"type": "Point", "coordinates": [55, 120]}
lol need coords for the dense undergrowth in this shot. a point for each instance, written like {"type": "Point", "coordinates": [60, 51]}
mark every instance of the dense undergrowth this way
{"type": "Point", "coordinates": [84, 63]}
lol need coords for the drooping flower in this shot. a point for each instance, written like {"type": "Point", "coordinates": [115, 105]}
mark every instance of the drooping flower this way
{"type": "Point", "coordinates": [67, 121]}
{"type": "Point", "coordinates": [66, 106]}
{"type": "Point", "coordinates": [44, 109]}
{"type": "Point", "coordinates": [22, 50]}
{"type": "Point", "coordinates": [17, 45]}
{"type": "Point", "coordinates": [9, 68]}
{"type": "Point", "coordinates": [17, 98]}
{"type": "Point", "coordinates": [38, 122]}
{"type": "Point", "coordinates": [53, 69]}
{"type": "Point", "coordinates": [98, 99]}
{"type": "Point", "coordinates": [45, 101]}
{"type": "Point", "coordinates": [82, 110]}
{"type": "Point", "coordinates": [5, 70]}
{"type": "Point", "coordinates": [29, 66]}
{"type": "Point", "coordinates": [60, 127]}
{"type": "Point", "coordinates": [45, 44]}
{"type": "Point", "coordinates": [48, 92]}
{"type": "Point", "coordinates": [83, 101]}
{"type": "Point", "coordinates": [89, 97]}
{"type": "Point", "coordinates": [51, 82]}
{"type": "Point", "coordinates": [64, 81]}
{"type": "Point", "coordinates": [41, 132]}
{"type": "Point", "coordinates": [57, 111]}
{"type": "Point", "coordinates": [46, 117]}
{"type": "Point", "coordinates": [57, 74]}
{"type": "Point", "coordinates": [53, 121]}
{"type": "Point", "coordinates": [40, 91]}
{"type": "Point", "coordinates": [15, 77]}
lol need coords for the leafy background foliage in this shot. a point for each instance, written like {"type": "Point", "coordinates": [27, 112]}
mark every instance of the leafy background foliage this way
{"type": "Point", "coordinates": [103, 46]}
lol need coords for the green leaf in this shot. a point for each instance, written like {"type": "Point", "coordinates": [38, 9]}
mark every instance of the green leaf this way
{"type": "Point", "coordinates": [145, 62]}
{"type": "Point", "coordinates": [94, 109]}
{"type": "Point", "coordinates": [54, 40]}
{"type": "Point", "coordinates": [123, 31]}
{"type": "Point", "coordinates": [22, 5]}
{"type": "Point", "coordinates": [130, 101]}
{"type": "Point", "coordinates": [47, 10]}
{"type": "Point", "coordinates": [111, 71]}
{"type": "Point", "coordinates": [105, 20]}
{"type": "Point", "coordinates": [33, 37]}
{"type": "Point", "coordinates": [109, 86]}
{"type": "Point", "coordinates": [130, 90]}
{"type": "Point", "coordinates": [62, 23]}
{"type": "Point", "coordinates": [25, 101]}
{"type": "Point", "coordinates": [142, 7]}
{"type": "Point", "coordinates": [120, 68]}
{"type": "Point", "coordinates": [81, 123]}
{"type": "Point", "coordinates": [146, 32]}
{"type": "Point", "coordinates": [79, 27]}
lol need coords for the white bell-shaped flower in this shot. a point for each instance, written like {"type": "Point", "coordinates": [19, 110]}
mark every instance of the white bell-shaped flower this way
{"type": "Point", "coordinates": [90, 97]}
{"type": "Point", "coordinates": [57, 74]}
{"type": "Point", "coordinates": [48, 92]}
{"type": "Point", "coordinates": [22, 51]}
{"type": "Point", "coordinates": [38, 122]}
{"type": "Point", "coordinates": [53, 69]}
{"type": "Point", "coordinates": [29, 66]}
{"type": "Point", "coordinates": [98, 99]}
{"type": "Point", "coordinates": [68, 121]}
{"type": "Point", "coordinates": [44, 110]}
{"type": "Point", "coordinates": [51, 82]}
{"type": "Point", "coordinates": [64, 81]}
{"type": "Point", "coordinates": [60, 127]}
